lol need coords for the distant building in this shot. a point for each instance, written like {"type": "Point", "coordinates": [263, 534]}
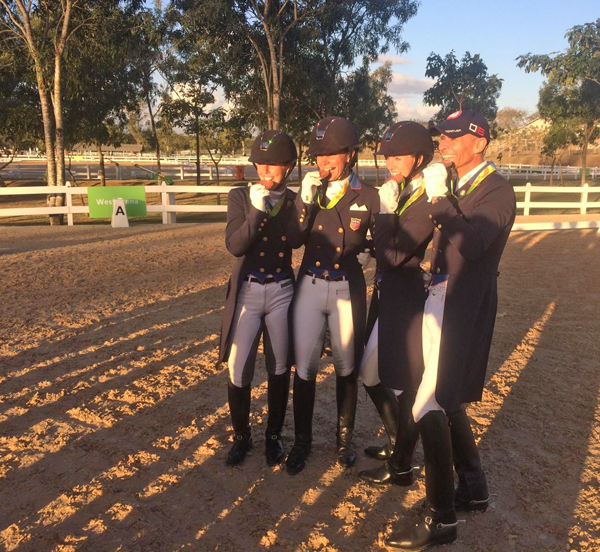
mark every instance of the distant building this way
{"type": "Point", "coordinates": [536, 124]}
{"type": "Point", "coordinates": [123, 148]}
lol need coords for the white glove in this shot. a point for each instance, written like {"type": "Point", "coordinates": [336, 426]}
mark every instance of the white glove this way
{"type": "Point", "coordinates": [258, 193]}
{"type": "Point", "coordinates": [364, 258]}
{"type": "Point", "coordinates": [310, 185]}
{"type": "Point", "coordinates": [435, 177]}
{"type": "Point", "coordinates": [389, 193]}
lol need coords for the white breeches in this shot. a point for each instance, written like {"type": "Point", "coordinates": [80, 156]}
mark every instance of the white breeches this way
{"type": "Point", "coordinates": [433, 316]}
{"type": "Point", "coordinates": [320, 304]}
{"type": "Point", "coordinates": [261, 308]}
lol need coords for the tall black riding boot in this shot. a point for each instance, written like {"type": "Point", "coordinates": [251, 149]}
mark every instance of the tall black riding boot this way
{"type": "Point", "coordinates": [384, 400]}
{"type": "Point", "coordinates": [472, 491]}
{"type": "Point", "coordinates": [398, 469]}
{"type": "Point", "coordinates": [346, 390]}
{"type": "Point", "coordinates": [277, 394]}
{"type": "Point", "coordinates": [439, 523]}
{"type": "Point", "coordinates": [304, 405]}
{"type": "Point", "coordinates": [239, 406]}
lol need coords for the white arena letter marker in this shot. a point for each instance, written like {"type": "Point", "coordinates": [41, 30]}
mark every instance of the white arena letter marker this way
{"type": "Point", "coordinates": [119, 215]}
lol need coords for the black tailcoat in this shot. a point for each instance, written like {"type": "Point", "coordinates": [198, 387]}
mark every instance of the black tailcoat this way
{"type": "Point", "coordinates": [260, 244]}
{"type": "Point", "coordinates": [332, 239]}
{"type": "Point", "coordinates": [400, 245]}
{"type": "Point", "coordinates": [468, 247]}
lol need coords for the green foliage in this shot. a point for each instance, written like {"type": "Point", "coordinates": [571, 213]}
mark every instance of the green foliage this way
{"type": "Point", "coordinates": [366, 103]}
{"type": "Point", "coordinates": [575, 109]}
{"type": "Point", "coordinates": [102, 77]}
{"type": "Point", "coordinates": [292, 52]}
{"type": "Point", "coordinates": [580, 61]}
{"type": "Point", "coordinates": [20, 121]}
{"type": "Point", "coordinates": [570, 99]}
{"type": "Point", "coordinates": [463, 84]}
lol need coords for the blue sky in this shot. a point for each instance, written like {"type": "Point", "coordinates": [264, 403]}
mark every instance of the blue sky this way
{"type": "Point", "coordinates": [498, 31]}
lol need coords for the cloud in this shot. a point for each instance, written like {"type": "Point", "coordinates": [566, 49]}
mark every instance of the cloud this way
{"type": "Point", "coordinates": [420, 112]}
{"type": "Point", "coordinates": [395, 60]}
{"type": "Point", "coordinates": [405, 85]}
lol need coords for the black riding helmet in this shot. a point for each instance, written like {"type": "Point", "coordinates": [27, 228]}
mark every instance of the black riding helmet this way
{"type": "Point", "coordinates": [273, 147]}
{"type": "Point", "coordinates": [408, 138]}
{"type": "Point", "coordinates": [333, 135]}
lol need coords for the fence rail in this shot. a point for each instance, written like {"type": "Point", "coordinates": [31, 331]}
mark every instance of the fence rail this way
{"type": "Point", "coordinates": [169, 207]}
{"type": "Point", "coordinates": [183, 167]}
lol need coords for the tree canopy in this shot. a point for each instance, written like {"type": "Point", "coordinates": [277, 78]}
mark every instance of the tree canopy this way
{"type": "Point", "coordinates": [464, 84]}
{"type": "Point", "coordinates": [570, 99]}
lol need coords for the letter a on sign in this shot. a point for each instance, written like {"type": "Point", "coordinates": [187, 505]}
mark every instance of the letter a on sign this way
{"type": "Point", "coordinates": [119, 216]}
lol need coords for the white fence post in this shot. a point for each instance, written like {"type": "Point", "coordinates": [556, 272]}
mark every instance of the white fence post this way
{"type": "Point", "coordinates": [69, 204]}
{"type": "Point", "coordinates": [168, 198]}
{"type": "Point", "coordinates": [527, 198]}
{"type": "Point", "coordinates": [87, 172]}
{"type": "Point", "coordinates": [181, 171]}
{"type": "Point", "coordinates": [584, 199]}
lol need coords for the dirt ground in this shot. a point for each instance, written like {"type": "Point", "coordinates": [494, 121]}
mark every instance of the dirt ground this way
{"type": "Point", "coordinates": [114, 425]}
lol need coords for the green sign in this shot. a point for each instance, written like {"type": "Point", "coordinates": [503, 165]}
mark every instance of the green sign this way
{"type": "Point", "coordinates": [100, 200]}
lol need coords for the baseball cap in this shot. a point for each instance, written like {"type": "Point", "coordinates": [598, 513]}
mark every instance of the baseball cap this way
{"type": "Point", "coordinates": [464, 122]}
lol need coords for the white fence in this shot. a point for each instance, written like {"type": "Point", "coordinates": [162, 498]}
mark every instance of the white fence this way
{"type": "Point", "coordinates": [184, 167]}
{"type": "Point", "coordinates": [169, 207]}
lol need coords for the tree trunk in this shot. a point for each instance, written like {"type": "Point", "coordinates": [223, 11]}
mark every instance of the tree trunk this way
{"type": "Point", "coordinates": [560, 172]}
{"type": "Point", "coordinates": [552, 171]}
{"type": "Point", "coordinates": [48, 133]}
{"type": "Point", "coordinates": [101, 171]}
{"type": "Point", "coordinates": [58, 126]}
{"type": "Point", "coordinates": [153, 123]}
{"type": "Point", "coordinates": [216, 163]}
{"type": "Point", "coordinates": [584, 149]}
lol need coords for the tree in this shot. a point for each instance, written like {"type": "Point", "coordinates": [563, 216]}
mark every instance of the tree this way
{"type": "Point", "coordinates": [247, 35]}
{"type": "Point", "coordinates": [574, 75]}
{"type": "Point", "coordinates": [186, 110]}
{"type": "Point", "coordinates": [575, 109]}
{"type": "Point", "coordinates": [580, 61]}
{"type": "Point", "coordinates": [220, 135]}
{"type": "Point", "coordinates": [152, 32]}
{"type": "Point", "coordinates": [368, 105]}
{"type": "Point", "coordinates": [102, 81]}
{"type": "Point", "coordinates": [557, 138]}
{"type": "Point", "coordinates": [461, 85]}
{"type": "Point", "coordinates": [46, 30]}
{"type": "Point", "coordinates": [261, 45]}
{"type": "Point", "coordinates": [20, 123]}
{"type": "Point", "coordinates": [510, 119]}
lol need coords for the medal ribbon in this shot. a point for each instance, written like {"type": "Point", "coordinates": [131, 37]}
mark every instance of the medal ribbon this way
{"type": "Point", "coordinates": [274, 211]}
{"type": "Point", "coordinates": [412, 198]}
{"type": "Point", "coordinates": [333, 201]}
{"type": "Point", "coordinates": [476, 179]}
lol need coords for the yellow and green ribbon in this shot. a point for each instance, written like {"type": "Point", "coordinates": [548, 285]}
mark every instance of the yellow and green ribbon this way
{"type": "Point", "coordinates": [476, 179]}
{"type": "Point", "coordinates": [334, 200]}
{"type": "Point", "coordinates": [274, 211]}
{"type": "Point", "coordinates": [412, 198]}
